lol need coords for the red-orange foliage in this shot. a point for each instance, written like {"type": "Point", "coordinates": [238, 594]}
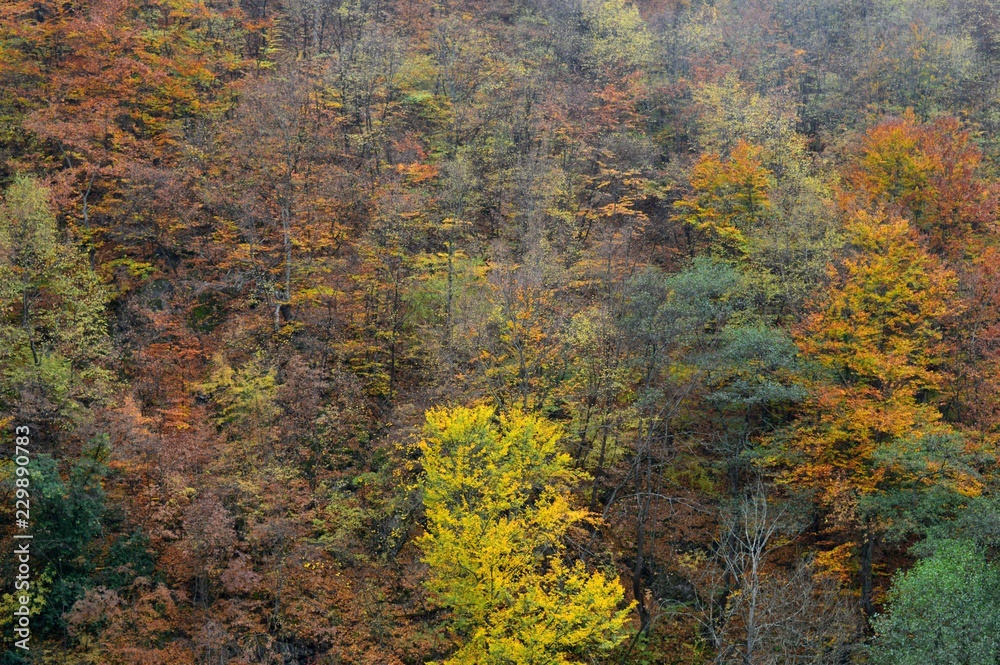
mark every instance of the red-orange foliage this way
{"type": "Point", "coordinates": [929, 173]}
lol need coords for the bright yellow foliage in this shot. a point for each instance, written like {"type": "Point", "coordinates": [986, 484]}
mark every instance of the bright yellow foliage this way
{"type": "Point", "coordinates": [497, 504]}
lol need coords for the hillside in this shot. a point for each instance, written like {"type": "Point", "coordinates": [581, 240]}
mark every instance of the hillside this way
{"type": "Point", "coordinates": [535, 332]}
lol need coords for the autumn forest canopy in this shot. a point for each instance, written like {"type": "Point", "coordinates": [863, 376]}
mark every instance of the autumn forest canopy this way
{"type": "Point", "coordinates": [515, 332]}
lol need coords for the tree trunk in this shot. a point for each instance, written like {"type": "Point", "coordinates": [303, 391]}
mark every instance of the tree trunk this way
{"type": "Point", "coordinates": [867, 553]}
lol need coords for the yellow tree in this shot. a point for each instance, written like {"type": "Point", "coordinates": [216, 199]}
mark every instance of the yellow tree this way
{"type": "Point", "coordinates": [729, 198]}
{"type": "Point", "coordinates": [498, 512]}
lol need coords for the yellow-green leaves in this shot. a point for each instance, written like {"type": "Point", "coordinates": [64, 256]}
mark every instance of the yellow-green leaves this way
{"type": "Point", "coordinates": [729, 199]}
{"type": "Point", "coordinates": [498, 510]}
{"type": "Point", "coordinates": [53, 330]}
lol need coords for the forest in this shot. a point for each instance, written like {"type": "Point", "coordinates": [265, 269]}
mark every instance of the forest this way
{"type": "Point", "coordinates": [500, 332]}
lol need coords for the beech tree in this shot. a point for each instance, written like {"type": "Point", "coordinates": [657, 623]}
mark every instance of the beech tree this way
{"type": "Point", "coordinates": [879, 336]}
{"type": "Point", "coordinates": [498, 512]}
{"type": "Point", "coordinates": [730, 198]}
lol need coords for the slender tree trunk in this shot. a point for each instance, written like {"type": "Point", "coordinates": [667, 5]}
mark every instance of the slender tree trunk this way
{"type": "Point", "coordinates": [448, 298]}
{"type": "Point", "coordinates": [286, 233]}
{"type": "Point", "coordinates": [640, 540]}
{"type": "Point", "coordinates": [86, 219]}
{"type": "Point", "coordinates": [395, 333]}
{"type": "Point", "coordinates": [867, 554]}
{"type": "Point", "coordinates": [600, 464]}
{"type": "Point", "coordinates": [25, 319]}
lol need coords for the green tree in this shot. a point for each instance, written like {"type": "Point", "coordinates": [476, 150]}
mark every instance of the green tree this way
{"type": "Point", "coordinates": [53, 332]}
{"type": "Point", "coordinates": [67, 514]}
{"type": "Point", "coordinates": [498, 512]}
{"type": "Point", "coordinates": [946, 610]}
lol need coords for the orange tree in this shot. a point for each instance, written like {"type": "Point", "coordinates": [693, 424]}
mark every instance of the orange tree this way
{"type": "Point", "coordinates": [105, 94]}
{"type": "Point", "coordinates": [729, 198]}
{"type": "Point", "coordinates": [873, 431]}
{"type": "Point", "coordinates": [931, 174]}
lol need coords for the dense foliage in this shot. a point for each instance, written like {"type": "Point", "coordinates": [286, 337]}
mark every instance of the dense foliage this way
{"type": "Point", "coordinates": [551, 331]}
